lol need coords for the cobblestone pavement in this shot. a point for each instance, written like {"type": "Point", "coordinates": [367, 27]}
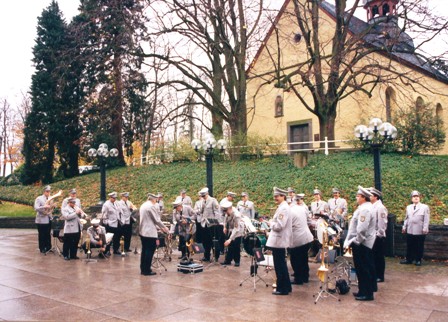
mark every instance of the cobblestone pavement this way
{"type": "Point", "coordinates": [38, 287]}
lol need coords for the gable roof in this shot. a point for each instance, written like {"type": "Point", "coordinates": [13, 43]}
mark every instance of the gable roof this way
{"type": "Point", "coordinates": [402, 51]}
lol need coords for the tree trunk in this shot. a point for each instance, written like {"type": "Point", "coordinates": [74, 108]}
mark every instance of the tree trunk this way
{"type": "Point", "coordinates": [326, 129]}
{"type": "Point", "coordinates": [117, 110]}
{"type": "Point", "coordinates": [217, 126]}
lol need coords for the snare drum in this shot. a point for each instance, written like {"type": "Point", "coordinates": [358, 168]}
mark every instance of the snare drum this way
{"type": "Point", "coordinates": [252, 240]}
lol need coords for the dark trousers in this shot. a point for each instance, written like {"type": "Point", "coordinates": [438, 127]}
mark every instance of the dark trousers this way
{"type": "Point", "coordinates": [234, 251]}
{"type": "Point", "coordinates": [281, 270]}
{"type": "Point", "coordinates": [299, 263]}
{"type": "Point", "coordinates": [116, 239]}
{"type": "Point", "coordinates": [378, 254]}
{"type": "Point", "coordinates": [44, 237]}
{"type": "Point", "coordinates": [148, 249]}
{"type": "Point", "coordinates": [208, 235]}
{"type": "Point", "coordinates": [415, 247]}
{"type": "Point", "coordinates": [84, 247]}
{"type": "Point", "coordinates": [126, 231]}
{"type": "Point", "coordinates": [70, 247]}
{"type": "Point", "coordinates": [183, 246]}
{"type": "Point", "coordinates": [365, 269]}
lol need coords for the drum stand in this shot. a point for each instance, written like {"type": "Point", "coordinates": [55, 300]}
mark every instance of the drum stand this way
{"type": "Point", "coordinates": [254, 274]}
{"type": "Point", "coordinates": [157, 262]}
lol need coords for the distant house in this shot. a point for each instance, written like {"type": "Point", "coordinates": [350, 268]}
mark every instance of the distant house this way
{"type": "Point", "coordinates": [279, 113]}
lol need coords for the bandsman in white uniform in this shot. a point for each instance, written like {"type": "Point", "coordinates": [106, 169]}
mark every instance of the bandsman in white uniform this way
{"type": "Point", "coordinates": [416, 226]}
{"type": "Point", "coordinates": [97, 235]}
{"type": "Point", "coordinates": [72, 229]}
{"type": "Point", "coordinates": [233, 231]}
{"type": "Point", "coordinates": [126, 208]}
{"type": "Point", "coordinates": [210, 210]}
{"type": "Point", "coordinates": [149, 222]}
{"type": "Point", "coordinates": [301, 241]}
{"type": "Point", "coordinates": [186, 200]}
{"type": "Point", "coordinates": [361, 237]}
{"type": "Point", "coordinates": [338, 208]}
{"type": "Point", "coordinates": [280, 238]}
{"type": "Point", "coordinates": [184, 225]}
{"type": "Point", "coordinates": [111, 216]}
{"type": "Point", "coordinates": [380, 213]}
{"type": "Point", "coordinates": [43, 220]}
{"type": "Point", "coordinates": [246, 207]}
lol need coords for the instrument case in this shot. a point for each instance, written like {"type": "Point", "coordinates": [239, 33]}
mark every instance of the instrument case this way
{"type": "Point", "coordinates": [190, 268]}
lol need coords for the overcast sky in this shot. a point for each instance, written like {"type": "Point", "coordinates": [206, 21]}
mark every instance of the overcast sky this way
{"type": "Point", "coordinates": [18, 21]}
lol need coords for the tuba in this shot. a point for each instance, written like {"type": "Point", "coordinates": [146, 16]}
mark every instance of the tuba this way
{"type": "Point", "coordinates": [50, 203]}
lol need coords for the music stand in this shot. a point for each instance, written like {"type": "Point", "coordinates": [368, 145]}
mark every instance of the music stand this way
{"type": "Point", "coordinates": [256, 256]}
{"type": "Point", "coordinates": [55, 233]}
{"type": "Point", "coordinates": [213, 223]}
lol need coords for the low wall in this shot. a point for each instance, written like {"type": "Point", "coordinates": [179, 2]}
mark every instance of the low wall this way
{"type": "Point", "coordinates": [17, 222]}
{"type": "Point", "coordinates": [436, 242]}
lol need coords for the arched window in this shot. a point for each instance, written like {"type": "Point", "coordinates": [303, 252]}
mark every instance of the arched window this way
{"type": "Point", "coordinates": [278, 105]}
{"type": "Point", "coordinates": [419, 104]}
{"type": "Point", "coordinates": [386, 9]}
{"type": "Point", "coordinates": [390, 103]}
{"type": "Point", "coordinates": [375, 11]}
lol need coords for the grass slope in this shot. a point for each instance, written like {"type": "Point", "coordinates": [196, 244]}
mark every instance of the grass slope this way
{"type": "Point", "coordinates": [10, 209]}
{"type": "Point", "coordinates": [400, 174]}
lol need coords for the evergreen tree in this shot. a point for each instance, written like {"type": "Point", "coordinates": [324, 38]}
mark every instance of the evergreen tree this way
{"type": "Point", "coordinates": [41, 124]}
{"type": "Point", "coordinates": [110, 37]}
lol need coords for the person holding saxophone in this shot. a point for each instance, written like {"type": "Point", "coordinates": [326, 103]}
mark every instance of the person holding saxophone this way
{"type": "Point", "coordinates": [72, 229]}
{"type": "Point", "coordinates": [184, 225]}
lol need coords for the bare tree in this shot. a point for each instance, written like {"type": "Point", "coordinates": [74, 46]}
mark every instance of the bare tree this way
{"type": "Point", "coordinates": [208, 42]}
{"type": "Point", "coordinates": [331, 68]}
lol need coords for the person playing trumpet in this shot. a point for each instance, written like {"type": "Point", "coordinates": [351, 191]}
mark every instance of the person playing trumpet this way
{"type": "Point", "coordinates": [234, 229]}
{"type": "Point", "coordinates": [245, 206]}
{"type": "Point", "coordinates": [338, 208]}
{"type": "Point", "coordinates": [72, 229]}
{"type": "Point", "coordinates": [126, 209]}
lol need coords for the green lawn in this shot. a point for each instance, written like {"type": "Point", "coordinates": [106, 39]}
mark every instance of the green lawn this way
{"type": "Point", "coordinates": [9, 209]}
{"type": "Point", "coordinates": [401, 174]}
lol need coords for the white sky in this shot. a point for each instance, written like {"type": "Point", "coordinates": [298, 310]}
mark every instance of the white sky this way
{"type": "Point", "coordinates": [18, 21]}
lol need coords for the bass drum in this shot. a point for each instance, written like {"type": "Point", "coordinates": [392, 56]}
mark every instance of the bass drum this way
{"type": "Point", "coordinates": [251, 241]}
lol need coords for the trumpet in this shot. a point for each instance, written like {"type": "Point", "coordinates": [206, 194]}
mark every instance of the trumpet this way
{"type": "Point", "coordinates": [323, 269]}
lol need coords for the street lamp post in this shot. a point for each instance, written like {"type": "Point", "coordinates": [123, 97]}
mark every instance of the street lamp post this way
{"type": "Point", "coordinates": [376, 134]}
{"type": "Point", "coordinates": [102, 153]}
{"type": "Point", "coordinates": [208, 145]}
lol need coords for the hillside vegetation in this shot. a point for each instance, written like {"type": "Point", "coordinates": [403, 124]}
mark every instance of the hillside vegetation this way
{"type": "Point", "coordinates": [400, 174]}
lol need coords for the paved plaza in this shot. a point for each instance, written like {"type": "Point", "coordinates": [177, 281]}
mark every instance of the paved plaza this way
{"type": "Point", "coordinates": [37, 287]}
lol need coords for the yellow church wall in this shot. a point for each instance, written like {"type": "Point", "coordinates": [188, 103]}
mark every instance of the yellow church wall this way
{"type": "Point", "coordinates": [356, 109]}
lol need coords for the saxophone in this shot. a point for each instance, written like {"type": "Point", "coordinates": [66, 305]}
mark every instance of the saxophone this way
{"type": "Point", "coordinates": [190, 242]}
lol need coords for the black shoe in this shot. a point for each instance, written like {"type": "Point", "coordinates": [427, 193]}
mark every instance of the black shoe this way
{"type": "Point", "coordinates": [380, 280]}
{"type": "Point", "coordinates": [149, 274]}
{"type": "Point", "coordinates": [225, 263]}
{"type": "Point", "coordinates": [279, 293]}
{"type": "Point", "coordinates": [294, 282]}
{"type": "Point", "coordinates": [74, 257]}
{"type": "Point", "coordinates": [66, 258]}
{"type": "Point", "coordinates": [237, 265]}
{"type": "Point", "coordinates": [117, 253]}
{"type": "Point", "coordinates": [128, 250]}
{"type": "Point", "coordinates": [405, 262]}
{"type": "Point", "coordinates": [355, 294]}
{"type": "Point", "coordinates": [418, 263]}
{"type": "Point", "coordinates": [180, 257]}
{"type": "Point", "coordinates": [364, 298]}
{"type": "Point", "coordinates": [205, 259]}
